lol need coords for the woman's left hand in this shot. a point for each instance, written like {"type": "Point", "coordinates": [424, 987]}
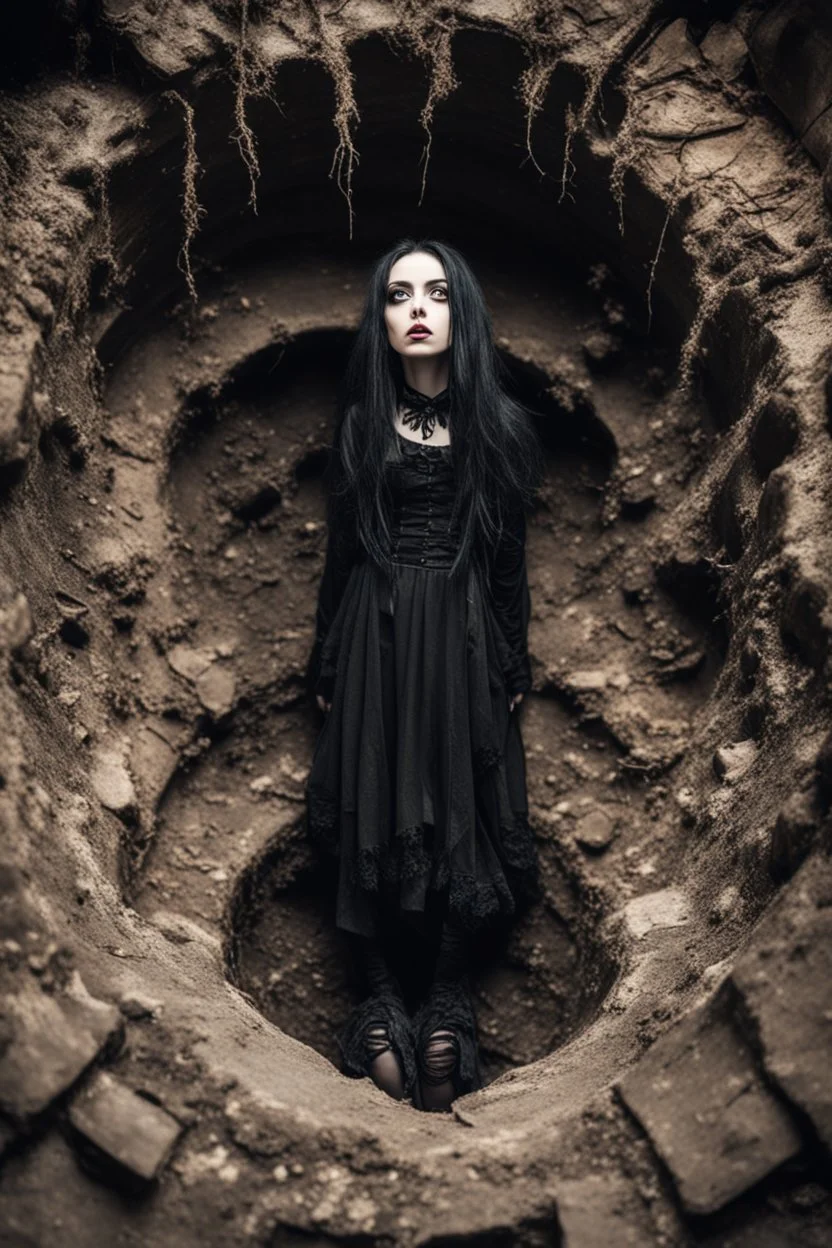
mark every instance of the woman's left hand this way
{"type": "Point", "coordinates": [515, 701]}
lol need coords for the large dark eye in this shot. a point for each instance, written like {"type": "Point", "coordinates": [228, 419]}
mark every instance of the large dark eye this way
{"type": "Point", "coordinates": [440, 290]}
{"type": "Point", "coordinates": [393, 293]}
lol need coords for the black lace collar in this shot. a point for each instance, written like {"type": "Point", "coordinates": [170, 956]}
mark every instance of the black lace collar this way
{"type": "Point", "coordinates": [422, 411]}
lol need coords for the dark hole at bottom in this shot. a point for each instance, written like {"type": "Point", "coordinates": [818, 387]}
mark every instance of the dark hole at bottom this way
{"type": "Point", "coordinates": [535, 981]}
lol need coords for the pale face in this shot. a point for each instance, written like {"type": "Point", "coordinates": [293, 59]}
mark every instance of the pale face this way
{"type": "Point", "coordinates": [417, 294]}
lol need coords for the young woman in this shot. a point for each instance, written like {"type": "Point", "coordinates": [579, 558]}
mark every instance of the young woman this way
{"type": "Point", "coordinates": [417, 788]}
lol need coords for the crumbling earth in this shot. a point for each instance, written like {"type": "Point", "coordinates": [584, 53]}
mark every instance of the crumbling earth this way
{"type": "Point", "coordinates": [192, 194]}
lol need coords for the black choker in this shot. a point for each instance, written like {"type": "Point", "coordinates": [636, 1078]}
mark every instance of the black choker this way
{"type": "Point", "coordinates": [421, 411]}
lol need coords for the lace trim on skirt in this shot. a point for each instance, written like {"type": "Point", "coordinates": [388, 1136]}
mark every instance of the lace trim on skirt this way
{"type": "Point", "coordinates": [405, 858]}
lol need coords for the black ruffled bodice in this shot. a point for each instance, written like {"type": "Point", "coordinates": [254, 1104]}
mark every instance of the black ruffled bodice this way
{"type": "Point", "coordinates": [422, 481]}
{"type": "Point", "coordinates": [423, 489]}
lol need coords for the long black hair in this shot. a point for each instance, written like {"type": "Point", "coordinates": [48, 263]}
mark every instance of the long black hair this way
{"type": "Point", "coordinates": [494, 445]}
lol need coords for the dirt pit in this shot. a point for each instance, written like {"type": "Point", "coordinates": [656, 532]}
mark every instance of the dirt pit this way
{"type": "Point", "coordinates": [654, 245]}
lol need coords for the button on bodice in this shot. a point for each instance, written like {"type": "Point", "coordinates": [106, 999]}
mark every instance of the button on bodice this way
{"type": "Point", "coordinates": [423, 487]}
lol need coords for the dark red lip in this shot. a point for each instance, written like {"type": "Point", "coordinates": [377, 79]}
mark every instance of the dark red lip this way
{"type": "Point", "coordinates": [418, 329]}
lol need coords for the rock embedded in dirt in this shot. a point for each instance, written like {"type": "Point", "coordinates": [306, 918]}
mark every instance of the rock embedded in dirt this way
{"type": "Point", "coordinates": [636, 584]}
{"type": "Point", "coordinates": [687, 804]}
{"type": "Point", "coordinates": [668, 907]}
{"type": "Point", "coordinates": [684, 667]}
{"type": "Point", "coordinates": [671, 52]}
{"type": "Point", "coordinates": [708, 1111]}
{"type": "Point", "coordinates": [726, 905]}
{"type": "Point", "coordinates": [51, 1038]}
{"type": "Point", "coordinates": [677, 111]}
{"type": "Point", "coordinates": [213, 684]}
{"type": "Point", "coordinates": [732, 761]}
{"type": "Point", "coordinates": [216, 690]}
{"type": "Point", "coordinates": [113, 784]}
{"type": "Point", "coordinates": [586, 681]}
{"type": "Point", "coordinates": [638, 495]}
{"type": "Point", "coordinates": [191, 662]}
{"type": "Point", "coordinates": [137, 1006]}
{"type": "Point", "coordinates": [596, 830]}
{"type": "Point", "coordinates": [725, 50]}
{"type": "Point", "coordinates": [128, 1129]}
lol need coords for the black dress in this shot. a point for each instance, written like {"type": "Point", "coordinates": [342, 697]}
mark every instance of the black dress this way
{"type": "Point", "coordinates": [417, 786]}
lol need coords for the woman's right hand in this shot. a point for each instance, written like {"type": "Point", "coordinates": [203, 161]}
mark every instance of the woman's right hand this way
{"type": "Point", "coordinates": [322, 703]}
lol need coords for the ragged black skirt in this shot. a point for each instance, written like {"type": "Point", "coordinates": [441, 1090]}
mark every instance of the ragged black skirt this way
{"type": "Point", "coordinates": [418, 780]}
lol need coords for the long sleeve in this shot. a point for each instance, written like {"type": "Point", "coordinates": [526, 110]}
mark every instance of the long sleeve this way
{"type": "Point", "coordinates": [509, 587]}
{"type": "Point", "coordinates": [342, 553]}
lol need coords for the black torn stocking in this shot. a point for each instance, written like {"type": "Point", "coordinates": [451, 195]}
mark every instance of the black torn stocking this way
{"type": "Point", "coordinates": [445, 1027]}
{"type": "Point", "coordinates": [377, 1038]}
{"type": "Point", "coordinates": [385, 1069]}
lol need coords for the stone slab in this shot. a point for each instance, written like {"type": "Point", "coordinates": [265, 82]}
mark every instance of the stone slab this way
{"type": "Point", "coordinates": [127, 1128]}
{"type": "Point", "coordinates": [785, 982]}
{"type": "Point", "coordinates": [54, 1037]}
{"type": "Point", "coordinates": [702, 1100]}
{"type": "Point", "coordinates": [725, 50]}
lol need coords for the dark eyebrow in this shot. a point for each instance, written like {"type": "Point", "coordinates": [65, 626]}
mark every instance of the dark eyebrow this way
{"type": "Point", "coordinates": [435, 282]}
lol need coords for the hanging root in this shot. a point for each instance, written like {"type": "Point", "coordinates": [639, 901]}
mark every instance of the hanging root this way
{"type": "Point", "coordinates": [540, 26]}
{"type": "Point", "coordinates": [568, 167]}
{"type": "Point", "coordinates": [709, 301]}
{"type": "Point", "coordinates": [192, 209]}
{"type": "Point", "coordinates": [541, 30]}
{"type": "Point", "coordinates": [245, 85]}
{"type": "Point", "coordinates": [443, 81]}
{"type": "Point", "coordinates": [624, 152]}
{"type": "Point", "coordinates": [429, 37]}
{"type": "Point", "coordinates": [532, 89]}
{"type": "Point", "coordinates": [346, 111]}
{"type": "Point", "coordinates": [333, 56]}
{"type": "Point", "coordinates": [576, 122]}
{"type": "Point", "coordinates": [677, 191]}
